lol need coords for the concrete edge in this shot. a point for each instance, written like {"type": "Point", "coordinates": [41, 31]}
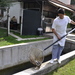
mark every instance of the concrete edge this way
{"type": "Point", "coordinates": [47, 67]}
{"type": "Point", "coordinates": [8, 46]}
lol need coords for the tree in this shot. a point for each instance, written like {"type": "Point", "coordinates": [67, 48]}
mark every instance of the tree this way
{"type": "Point", "coordinates": [5, 3]}
{"type": "Point", "coordinates": [73, 2]}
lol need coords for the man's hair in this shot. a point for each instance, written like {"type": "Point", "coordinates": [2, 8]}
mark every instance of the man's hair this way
{"type": "Point", "coordinates": [61, 11]}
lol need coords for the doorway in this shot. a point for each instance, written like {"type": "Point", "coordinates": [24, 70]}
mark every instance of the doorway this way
{"type": "Point", "coordinates": [31, 21]}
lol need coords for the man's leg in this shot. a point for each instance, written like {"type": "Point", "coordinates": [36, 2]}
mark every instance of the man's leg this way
{"type": "Point", "coordinates": [55, 51]}
{"type": "Point", "coordinates": [59, 53]}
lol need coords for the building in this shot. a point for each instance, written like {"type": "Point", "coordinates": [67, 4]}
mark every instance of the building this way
{"type": "Point", "coordinates": [33, 14]}
{"type": "Point", "coordinates": [15, 10]}
{"type": "Point", "coordinates": [46, 12]}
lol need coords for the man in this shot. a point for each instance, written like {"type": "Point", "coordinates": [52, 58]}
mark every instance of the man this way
{"type": "Point", "coordinates": [59, 29]}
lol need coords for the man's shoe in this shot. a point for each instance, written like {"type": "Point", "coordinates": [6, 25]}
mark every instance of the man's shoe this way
{"type": "Point", "coordinates": [59, 61]}
{"type": "Point", "coordinates": [52, 61]}
{"type": "Point", "coordinates": [56, 59]}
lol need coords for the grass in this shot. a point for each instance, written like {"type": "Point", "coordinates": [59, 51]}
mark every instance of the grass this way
{"type": "Point", "coordinates": [68, 69]}
{"type": "Point", "coordinates": [27, 36]}
{"type": "Point", "coordinates": [3, 32]}
{"type": "Point", "coordinates": [9, 40]}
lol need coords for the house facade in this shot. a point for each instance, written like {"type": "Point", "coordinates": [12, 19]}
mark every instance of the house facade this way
{"type": "Point", "coordinates": [46, 12]}
{"type": "Point", "coordinates": [14, 10]}
{"type": "Point", "coordinates": [33, 14]}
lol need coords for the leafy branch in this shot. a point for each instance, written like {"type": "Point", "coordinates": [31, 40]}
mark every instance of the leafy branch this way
{"type": "Point", "coordinates": [5, 3]}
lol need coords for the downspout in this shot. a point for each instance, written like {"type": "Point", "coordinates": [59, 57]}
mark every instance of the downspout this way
{"type": "Point", "coordinates": [8, 22]}
{"type": "Point", "coordinates": [42, 14]}
{"type": "Point", "coordinates": [21, 14]}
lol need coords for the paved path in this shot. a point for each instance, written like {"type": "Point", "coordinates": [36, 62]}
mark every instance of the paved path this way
{"type": "Point", "coordinates": [20, 39]}
{"type": "Point", "coordinates": [50, 35]}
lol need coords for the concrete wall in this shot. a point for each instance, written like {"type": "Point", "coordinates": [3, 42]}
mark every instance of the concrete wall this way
{"type": "Point", "coordinates": [17, 54]}
{"type": "Point", "coordinates": [69, 46]}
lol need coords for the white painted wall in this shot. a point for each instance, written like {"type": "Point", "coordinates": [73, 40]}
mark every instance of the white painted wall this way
{"type": "Point", "coordinates": [15, 10]}
{"type": "Point", "coordinates": [66, 1]}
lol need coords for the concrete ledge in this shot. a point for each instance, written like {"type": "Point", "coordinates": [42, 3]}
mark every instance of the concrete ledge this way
{"type": "Point", "coordinates": [69, 46]}
{"type": "Point", "coordinates": [13, 55]}
{"type": "Point", "coordinates": [47, 67]}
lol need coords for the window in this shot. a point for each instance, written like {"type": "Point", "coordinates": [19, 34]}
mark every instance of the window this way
{"type": "Point", "coordinates": [52, 15]}
{"type": "Point", "coordinates": [45, 13]}
{"type": "Point", "coordinates": [32, 5]}
{"type": "Point", "coordinates": [26, 5]}
{"type": "Point", "coordinates": [49, 14]}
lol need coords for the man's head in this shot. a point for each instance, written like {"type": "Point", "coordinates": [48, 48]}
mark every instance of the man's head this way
{"type": "Point", "coordinates": [61, 13]}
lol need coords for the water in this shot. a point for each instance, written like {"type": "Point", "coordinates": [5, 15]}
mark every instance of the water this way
{"type": "Point", "coordinates": [21, 67]}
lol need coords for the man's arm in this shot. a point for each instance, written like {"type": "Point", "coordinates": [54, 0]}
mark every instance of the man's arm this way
{"type": "Point", "coordinates": [72, 22]}
{"type": "Point", "coordinates": [53, 30]}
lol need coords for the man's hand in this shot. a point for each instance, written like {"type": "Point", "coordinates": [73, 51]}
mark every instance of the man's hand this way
{"type": "Point", "coordinates": [58, 37]}
{"type": "Point", "coordinates": [53, 30]}
{"type": "Point", "coordinates": [72, 22]}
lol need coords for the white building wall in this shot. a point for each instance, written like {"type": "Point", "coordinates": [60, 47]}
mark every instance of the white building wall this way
{"type": "Point", "coordinates": [15, 10]}
{"type": "Point", "coordinates": [66, 1]}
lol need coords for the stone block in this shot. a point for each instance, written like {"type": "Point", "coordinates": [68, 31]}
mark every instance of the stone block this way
{"type": "Point", "coordinates": [23, 53]}
{"type": "Point", "coordinates": [1, 59]}
{"type": "Point", "coordinates": [15, 55]}
{"type": "Point", "coordinates": [7, 57]}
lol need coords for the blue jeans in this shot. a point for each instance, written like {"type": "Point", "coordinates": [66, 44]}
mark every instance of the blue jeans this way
{"type": "Point", "coordinates": [56, 51]}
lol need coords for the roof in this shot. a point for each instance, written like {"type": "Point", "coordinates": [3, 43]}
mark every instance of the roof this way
{"type": "Point", "coordinates": [31, 0]}
{"type": "Point", "coordinates": [62, 5]}
{"type": "Point", "coordinates": [56, 3]}
{"type": "Point", "coordinates": [72, 6]}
